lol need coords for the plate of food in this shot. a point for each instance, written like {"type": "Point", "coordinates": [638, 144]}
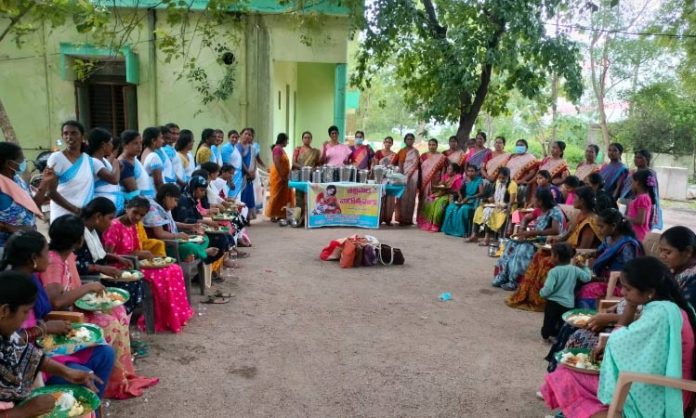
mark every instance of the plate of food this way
{"type": "Point", "coordinates": [578, 317]}
{"type": "Point", "coordinates": [71, 400]}
{"type": "Point", "coordinates": [489, 205]}
{"type": "Point", "coordinates": [109, 299]}
{"type": "Point", "coordinates": [126, 276]}
{"type": "Point", "coordinates": [81, 334]}
{"type": "Point", "coordinates": [518, 238]}
{"type": "Point", "coordinates": [527, 210]}
{"type": "Point", "coordinates": [579, 360]}
{"type": "Point", "coordinates": [223, 217]}
{"type": "Point", "coordinates": [545, 246]}
{"type": "Point", "coordinates": [195, 239]}
{"type": "Point", "coordinates": [220, 230]}
{"type": "Point", "coordinates": [157, 262]}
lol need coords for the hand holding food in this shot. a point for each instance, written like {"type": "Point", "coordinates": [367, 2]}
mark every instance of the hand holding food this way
{"type": "Point", "coordinates": [110, 271]}
{"type": "Point", "coordinates": [125, 261]}
{"type": "Point", "coordinates": [600, 322]}
{"type": "Point", "coordinates": [182, 236]}
{"type": "Point", "coordinates": [95, 287]}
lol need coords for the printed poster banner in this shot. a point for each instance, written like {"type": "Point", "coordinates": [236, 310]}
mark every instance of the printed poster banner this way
{"type": "Point", "coordinates": [344, 204]}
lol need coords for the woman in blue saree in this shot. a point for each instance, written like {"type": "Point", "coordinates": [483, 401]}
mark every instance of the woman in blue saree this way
{"type": "Point", "coordinates": [245, 148]}
{"type": "Point", "coordinates": [618, 248]}
{"type": "Point", "coordinates": [615, 172]}
{"type": "Point", "coordinates": [460, 213]}
{"type": "Point", "coordinates": [519, 252]}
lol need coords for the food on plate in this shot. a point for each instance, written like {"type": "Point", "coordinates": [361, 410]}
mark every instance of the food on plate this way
{"type": "Point", "coordinates": [103, 298]}
{"type": "Point", "coordinates": [66, 402]}
{"type": "Point", "coordinates": [579, 320]}
{"type": "Point", "coordinates": [131, 275]}
{"type": "Point", "coordinates": [579, 361]}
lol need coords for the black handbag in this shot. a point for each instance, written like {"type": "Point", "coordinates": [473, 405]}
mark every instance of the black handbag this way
{"type": "Point", "coordinates": [389, 255]}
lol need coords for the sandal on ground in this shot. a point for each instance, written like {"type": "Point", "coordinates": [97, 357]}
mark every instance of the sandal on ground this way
{"type": "Point", "coordinates": [212, 300]}
{"type": "Point", "coordinates": [241, 254]}
{"type": "Point", "coordinates": [220, 294]}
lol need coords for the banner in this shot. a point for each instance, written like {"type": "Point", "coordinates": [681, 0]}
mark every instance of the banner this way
{"type": "Point", "coordinates": [344, 204]}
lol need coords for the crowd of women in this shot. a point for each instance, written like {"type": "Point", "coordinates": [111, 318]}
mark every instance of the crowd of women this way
{"type": "Point", "coordinates": [116, 204]}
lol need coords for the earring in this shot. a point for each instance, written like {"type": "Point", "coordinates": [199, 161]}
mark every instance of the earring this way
{"type": "Point", "coordinates": [34, 264]}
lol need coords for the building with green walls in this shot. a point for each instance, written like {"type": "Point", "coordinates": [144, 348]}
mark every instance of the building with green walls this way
{"type": "Point", "coordinates": [286, 79]}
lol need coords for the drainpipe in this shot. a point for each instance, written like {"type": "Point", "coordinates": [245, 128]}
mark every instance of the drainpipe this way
{"type": "Point", "coordinates": [152, 61]}
{"type": "Point", "coordinates": [47, 86]}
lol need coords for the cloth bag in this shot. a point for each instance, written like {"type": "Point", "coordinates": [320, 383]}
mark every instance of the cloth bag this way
{"type": "Point", "coordinates": [389, 255]}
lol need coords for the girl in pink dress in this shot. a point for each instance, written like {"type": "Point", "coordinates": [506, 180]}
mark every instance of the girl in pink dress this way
{"type": "Point", "coordinates": [172, 309]}
{"type": "Point", "coordinates": [639, 210]}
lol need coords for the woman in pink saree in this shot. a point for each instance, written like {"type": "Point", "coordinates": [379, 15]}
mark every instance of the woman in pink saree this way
{"type": "Point", "coordinates": [590, 165]}
{"type": "Point", "coordinates": [408, 161]}
{"type": "Point", "coordinates": [497, 160]}
{"type": "Point", "coordinates": [433, 166]}
{"type": "Point", "coordinates": [455, 154]}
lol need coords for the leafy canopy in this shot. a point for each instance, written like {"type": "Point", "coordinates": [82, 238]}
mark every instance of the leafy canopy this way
{"type": "Point", "coordinates": [443, 50]}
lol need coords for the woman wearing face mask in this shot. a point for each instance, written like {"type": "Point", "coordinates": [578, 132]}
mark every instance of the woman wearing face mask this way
{"type": "Point", "coordinates": [362, 153]}
{"type": "Point", "coordinates": [18, 211]}
{"type": "Point", "coordinates": [523, 167]}
{"type": "Point", "coordinates": [589, 166]}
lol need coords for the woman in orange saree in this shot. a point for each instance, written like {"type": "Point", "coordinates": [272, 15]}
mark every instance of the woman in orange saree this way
{"type": "Point", "coordinates": [588, 166]}
{"type": "Point", "coordinates": [582, 233]}
{"type": "Point", "coordinates": [385, 157]}
{"type": "Point", "coordinates": [281, 195]}
{"type": "Point", "coordinates": [523, 167]}
{"type": "Point", "coordinates": [433, 165]}
{"type": "Point", "coordinates": [408, 161]}
{"type": "Point", "coordinates": [497, 160]}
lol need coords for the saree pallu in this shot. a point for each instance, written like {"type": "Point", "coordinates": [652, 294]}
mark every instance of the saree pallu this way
{"type": "Point", "coordinates": [75, 181]}
{"type": "Point", "coordinates": [432, 166]}
{"type": "Point", "coordinates": [455, 157]}
{"type": "Point", "coordinates": [247, 192]}
{"type": "Point", "coordinates": [660, 342]}
{"type": "Point", "coordinates": [406, 204]}
{"type": "Point", "coordinates": [614, 175]}
{"type": "Point", "coordinates": [494, 163]}
{"type": "Point", "coordinates": [361, 157]}
{"type": "Point", "coordinates": [521, 165]}
{"type": "Point", "coordinates": [306, 157]}
{"type": "Point", "coordinates": [281, 195]}
{"type": "Point", "coordinates": [556, 167]}
{"type": "Point", "coordinates": [459, 216]}
{"type": "Point", "coordinates": [479, 158]}
{"type": "Point", "coordinates": [433, 206]}
{"type": "Point", "coordinates": [584, 170]}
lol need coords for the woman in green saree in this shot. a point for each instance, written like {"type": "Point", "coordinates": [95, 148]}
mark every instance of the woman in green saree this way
{"type": "Point", "coordinates": [460, 213]}
{"type": "Point", "coordinates": [433, 211]}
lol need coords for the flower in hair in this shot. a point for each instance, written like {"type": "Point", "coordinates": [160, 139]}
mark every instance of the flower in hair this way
{"type": "Point", "coordinates": [652, 182]}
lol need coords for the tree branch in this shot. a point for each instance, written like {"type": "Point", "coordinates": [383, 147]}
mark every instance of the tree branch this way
{"type": "Point", "coordinates": [438, 30]}
{"type": "Point", "coordinates": [16, 19]}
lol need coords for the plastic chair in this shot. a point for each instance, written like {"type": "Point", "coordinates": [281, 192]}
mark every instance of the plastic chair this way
{"type": "Point", "coordinates": [190, 269]}
{"type": "Point", "coordinates": [626, 379]}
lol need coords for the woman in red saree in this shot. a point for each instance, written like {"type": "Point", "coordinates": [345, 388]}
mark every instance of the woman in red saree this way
{"type": "Point", "coordinates": [497, 160]}
{"type": "Point", "coordinates": [408, 161]}
{"type": "Point", "coordinates": [433, 165]}
{"type": "Point", "coordinates": [280, 193]}
{"type": "Point", "coordinates": [363, 153]}
{"type": "Point", "coordinates": [455, 154]}
{"type": "Point", "coordinates": [385, 157]}
{"type": "Point", "coordinates": [172, 309]}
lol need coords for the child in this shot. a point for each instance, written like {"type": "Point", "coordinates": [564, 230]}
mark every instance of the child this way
{"type": "Point", "coordinates": [640, 209]}
{"type": "Point", "coordinates": [224, 181]}
{"type": "Point", "coordinates": [559, 288]}
{"type": "Point", "coordinates": [568, 187]}
{"type": "Point", "coordinates": [543, 181]}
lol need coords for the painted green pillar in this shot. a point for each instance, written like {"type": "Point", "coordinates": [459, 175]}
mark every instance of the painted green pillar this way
{"type": "Point", "coordinates": [340, 81]}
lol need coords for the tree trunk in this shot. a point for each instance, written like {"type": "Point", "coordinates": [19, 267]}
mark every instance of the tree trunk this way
{"type": "Point", "coordinates": [554, 106]}
{"type": "Point", "coordinates": [6, 126]}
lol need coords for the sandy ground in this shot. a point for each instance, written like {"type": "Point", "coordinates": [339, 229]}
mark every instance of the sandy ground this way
{"type": "Point", "coordinates": [304, 338]}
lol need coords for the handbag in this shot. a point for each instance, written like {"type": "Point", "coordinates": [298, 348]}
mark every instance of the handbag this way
{"type": "Point", "coordinates": [370, 256]}
{"type": "Point", "coordinates": [389, 255]}
{"type": "Point", "coordinates": [348, 254]}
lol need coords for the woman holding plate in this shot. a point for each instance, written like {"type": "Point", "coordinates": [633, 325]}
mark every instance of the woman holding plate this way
{"type": "Point", "coordinates": [172, 309]}
{"type": "Point", "coordinates": [62, 283]}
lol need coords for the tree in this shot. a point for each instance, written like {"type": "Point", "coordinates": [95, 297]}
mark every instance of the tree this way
{"type": "Point", "coordinates": [455, 58]}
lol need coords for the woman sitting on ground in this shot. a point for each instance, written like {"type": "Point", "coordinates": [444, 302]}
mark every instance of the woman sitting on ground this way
{"type": "Point", "coordinates": [519, 252]}
{"type": "Point", "coordinates": [492, 218]}
{"type": "Point", "coordinates": [160, 224]}
{"type": "Point", "coordinates": [172, 309]}
{"type": "Point", "coordinates": [21, 362]}
{"type": "Point", "coordinates": [433, 211]}
{"type": "Point", "coordinates": [618, 248]}
{"type": "Point", "coordinates": [584, 233]}
{"type": "Point", "coordinates": [27, 253]}
{"type": "Point", "coordinates": [460, 211]}
{"type": "Point", "coordinates": [62, 283]}
{"type": "Point", "coordinates": [659, 342]}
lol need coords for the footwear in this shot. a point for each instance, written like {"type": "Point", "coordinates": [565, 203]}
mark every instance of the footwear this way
{"type": "Point", "coordinates": [241, 254]}
{"type": "Point", "coordinates": [509, 287]}
{"type": "Point", "coordinates": [220, 294]}
{"type": "Point", "coordinates": [539, 395]}
{"type": "Point", "coordinates": [212, 300]}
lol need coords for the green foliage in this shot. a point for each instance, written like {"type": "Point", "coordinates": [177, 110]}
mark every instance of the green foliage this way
{"type": "Point", "coordinates": [662, 119]}
{"type": "Point", "coordinates": [451, 56]}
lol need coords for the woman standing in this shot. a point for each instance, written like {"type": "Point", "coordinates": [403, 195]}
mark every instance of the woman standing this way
{"type": "Point", "coordinates": [497, 160]}
{"type": "Point", "coordinates": [204, 152]}
{"type": "Point", "coordinates": [101, 148]}
{"type": "Point", "coordinates": [305, 155]}
{"type": "Point", "coordinates": [432, 167]}
{"type": "Point", "coordinates": [75, 172]}
{"type": "Point", "coordinates": [172, 309]}
{"type": "Point", "coordinates": [523, 167]}
{"type": "Point", "coordinates": [408, 161]}
{"type": "Point", "coordinates": [281, 194]}
{"type": "Point", "coordinates": [479, 155]}
{"type": "Point", "coordinates": [183, 148]}
{"type": "Point", "coordinates": [641, 159]}
{"type": "Point", "coordinates": [459, 214]}
{"type": "Point", "coordinates": [555, 164]}
{"type": "Point", "coordinates": [362, 154]}
{"type": "Point", "coordinates": [333, 153]}
{"type": "Point", "coordinates": [615, 172]}
{"type": "Point", "coordinates": [436, 202]}
{"type": "Point", "coordinates": [134, 180]}
{"type": "Point", "coordinates": [18, 211]}
{"type": "Point", "coordinates": [454, 154]}
{"type": "Point", "coordinates": [518, 253]}
{"type": "Point", "coordinates": [245, 147]}
{"type": "Point", "coordinates": [151, 158]}
{"type": "Point", "coordinates": [588, 166]}
{"type": "Point", "coordinates": [384, 158]}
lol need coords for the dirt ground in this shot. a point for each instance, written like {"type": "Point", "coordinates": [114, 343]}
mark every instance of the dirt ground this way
{"type": "Point", "coordinates": [305, 338]}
